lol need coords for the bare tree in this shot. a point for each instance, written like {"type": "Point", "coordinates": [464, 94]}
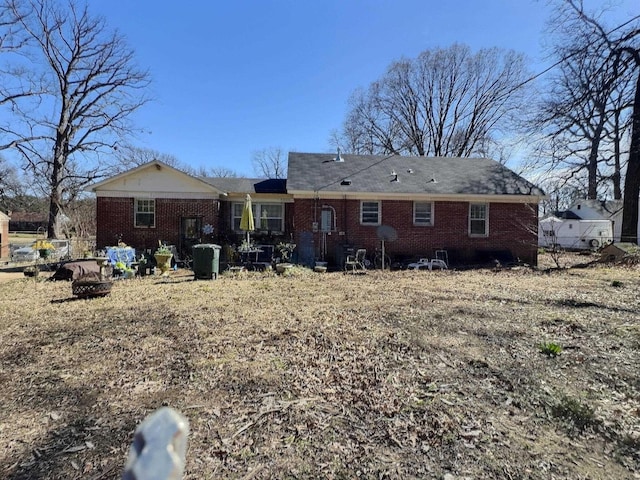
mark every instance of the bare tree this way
{"type": "Point", "coordinates": [588, 99]}
{"type": "Point", "coordinates": [270, 163]}
{"type": "Point", "coordinates": [91, 87]}
{"type": "Point", "coordinates": [619, 51]}
{"type": "Point", "coordinates": [445, 102]}
{"type": "Point", "coordinates": [562, 191]}
{"type": "Point", "coordinates": [215, 172]}
{"type": "Point", "coordinates": [130, 156]}
{"type": "Point", "coordinates": [10, 184]}
{"type": "Point", "coordinates": [81, 217]}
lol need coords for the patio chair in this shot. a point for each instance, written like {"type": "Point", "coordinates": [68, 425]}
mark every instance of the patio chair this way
{"type": "Point", "coordinates": [356, 262]}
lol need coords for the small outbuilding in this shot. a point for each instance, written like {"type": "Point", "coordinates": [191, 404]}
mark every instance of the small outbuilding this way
{"type": "Point", "coordinates": [4, 236]}
{"type": "Point", "coordinates": [618, 251]}
{"type": "Point", "coordinates": [568, 230]}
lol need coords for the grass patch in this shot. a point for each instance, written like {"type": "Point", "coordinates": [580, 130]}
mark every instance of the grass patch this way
{"type": "Point", "coordinates": [383, 375]}
{"type": "Point", "coordinates": [579, 414]}
{"type": "Point", "coordinates": [550, 349]}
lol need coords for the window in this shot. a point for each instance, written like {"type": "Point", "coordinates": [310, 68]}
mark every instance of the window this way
{"type": "Point", "coordinates": [478, 219]}
{"type": "Point", "coordinates": [422, 213]}
{"type": "Point", "coordinates": [145, 213]}
{"type": "Point", "coordinates": [327, 222]}
{"type": "Point", "coordinates": [266, 216]}
{"type": "Point", "coordinates": [370, 213]}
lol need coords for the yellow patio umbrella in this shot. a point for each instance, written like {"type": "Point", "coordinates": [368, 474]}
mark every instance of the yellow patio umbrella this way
{"type": "Point", "coordinates": [246, 221]}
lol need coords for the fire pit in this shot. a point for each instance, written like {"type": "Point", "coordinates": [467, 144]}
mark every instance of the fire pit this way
{"type": "Point", "coordinates": [91, 286]}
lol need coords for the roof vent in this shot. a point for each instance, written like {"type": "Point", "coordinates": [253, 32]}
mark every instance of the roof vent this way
{"type": "Point", "coordinates": [346, 182]}
{"type": "Point", "coordinates": [338, 157]}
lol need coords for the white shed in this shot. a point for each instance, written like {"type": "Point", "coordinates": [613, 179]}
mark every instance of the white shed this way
{"type": "Point", "coordinates": [574, 233]}
{"type": "Point", "coordinates": [602, 210]}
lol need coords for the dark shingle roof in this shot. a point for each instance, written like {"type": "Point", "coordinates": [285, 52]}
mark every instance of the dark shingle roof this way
{"type": "Point", "coordinates": [248, 185]}
{"type": "Point", "coordinates": [404, 175]}
{"type": "Point", "coordinates": [567, 215]}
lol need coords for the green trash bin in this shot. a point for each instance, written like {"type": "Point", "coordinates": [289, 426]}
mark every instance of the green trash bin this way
{"type": "Point", "coordinates": [206, 261]}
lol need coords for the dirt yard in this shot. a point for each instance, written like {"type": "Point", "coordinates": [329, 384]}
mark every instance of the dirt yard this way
{"type": "Point", "coordinates": [400, 375]}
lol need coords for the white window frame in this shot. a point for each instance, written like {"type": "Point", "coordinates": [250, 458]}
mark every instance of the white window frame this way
{"type": "Point", "coordinates": [484, 218]}
{"type": "Point", "coordinates": [420, 222]}
{"type": "Point", "coordinates": [137, 211]}
{"type": "Point", "coordinates": [378, 213]}
{"type": "Point", "coordinates": [327, 220]}
{"type": "Point", "coordinates": [256, 207]}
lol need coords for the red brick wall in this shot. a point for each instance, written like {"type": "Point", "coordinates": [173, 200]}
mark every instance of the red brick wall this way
{"type": "Point", "coordinates": [115, 217]}
{"type": "Point", "coordinates": [512, 227]}
{"type": "Point", "coordinates": [4, 239]}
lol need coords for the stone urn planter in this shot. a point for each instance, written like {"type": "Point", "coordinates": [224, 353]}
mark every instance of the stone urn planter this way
{"type": "Point", "coordinates": [163, 260]}
{"type": "Point", "coordinates": [283, 267]}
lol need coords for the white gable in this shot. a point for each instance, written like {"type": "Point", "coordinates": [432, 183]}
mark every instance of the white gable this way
{"type": "Point", "coordinates": [587, 212]}
{"type": "Point", "coordinates": [155, 180]}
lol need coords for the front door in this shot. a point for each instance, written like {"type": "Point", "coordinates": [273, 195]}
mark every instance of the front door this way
{"type": "Point", "coordinates": [190, 233]}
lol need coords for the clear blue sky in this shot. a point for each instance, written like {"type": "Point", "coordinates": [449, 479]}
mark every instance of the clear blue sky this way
{"type": "Point", "coordinates": [234, 77]}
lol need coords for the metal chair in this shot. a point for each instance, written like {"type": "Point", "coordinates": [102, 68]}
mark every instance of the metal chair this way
{"type": "Point", "coordinates": [356, 262]}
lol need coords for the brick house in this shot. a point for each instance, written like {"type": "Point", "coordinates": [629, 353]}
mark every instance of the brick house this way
{"type": "Point", "coordinates": [475, 209]}
{"type": "Point", "coordinates": [28, 221]}
{"type": "Point", "coordinates": [156, 202]}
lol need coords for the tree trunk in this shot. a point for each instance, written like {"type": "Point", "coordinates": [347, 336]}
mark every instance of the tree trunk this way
{"type": "Point", "coordinates": [592, 165]}
{"type": "Point", "coordinates": [55, 198]}
{"type": "Point", "coordinates": [617, 176]}
{"type": "Point", "coordinates": [632, 179]}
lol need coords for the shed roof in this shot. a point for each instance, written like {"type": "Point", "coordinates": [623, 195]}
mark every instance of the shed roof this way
{"type": "Point", "coordinates": [248, 185]}
{"type": "Point", "coordinates": [567, 215]}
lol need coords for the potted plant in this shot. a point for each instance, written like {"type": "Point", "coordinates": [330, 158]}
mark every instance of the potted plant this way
{"type": "Point", "coordinates": [285, 250]}
{"type": "Point", "coordinates": [124, 270]}
{"type": "Point", "coordinates": [163, 258]}
{"type": "Point", "coordinates": [44, 248]}
{"type": "Point", "coordinates": [247, 246]}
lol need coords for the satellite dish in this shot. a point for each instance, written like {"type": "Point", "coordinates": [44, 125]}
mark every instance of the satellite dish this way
{"type": "Point", "coordinates": [386, 233]}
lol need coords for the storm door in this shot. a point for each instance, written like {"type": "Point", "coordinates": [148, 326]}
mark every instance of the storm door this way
{"type": "Point", "coordinates": [190, 233]}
